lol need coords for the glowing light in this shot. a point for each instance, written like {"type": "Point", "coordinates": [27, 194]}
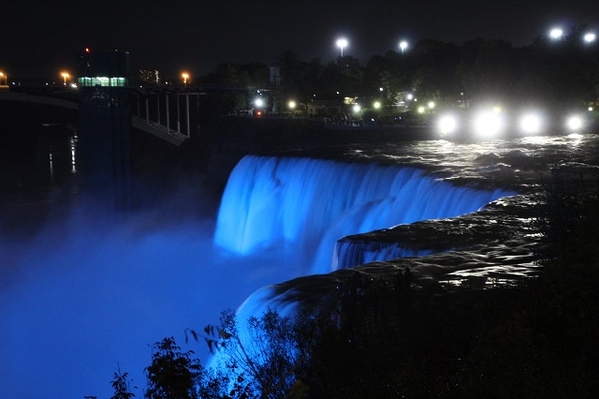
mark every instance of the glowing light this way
{"type": "Point", "coordinates": [431, 104]}
{"type": "Point", "coordinates": [447, 124]}
{"type": "Point", "coordinates": [590, 108]}
{"type": "Point", "coordinates": [259, 102]}
{"type": "Point", "coordinates": [342, 43]}
{"type": "Point", "coordinates": [185, 77]}
{"type": "Point", "coordinates": [421, 110]}
{"type": "Point", "coordinates": [556, 33]}
{"type": "Point", "coordinates": [403, 45]}
{"type": "Point", "coordinates": [65, 76]}
{"type": "Point", "coordinates": [356, 108]}
{"type": "Point", "coordinates": [376, 104]}
{"type": "Point", "coordinates": [589, 37]}
{"type": "Point", "coordinates": [531, 123]}
{"type": "Point", "coordinates": [409, 96]}
{"type": "Point", "coordinates": [574, 123]}
{"type": "Point", "coordinates": [291, 104]}
{"type": "Point", "coordinates": [488, 123]}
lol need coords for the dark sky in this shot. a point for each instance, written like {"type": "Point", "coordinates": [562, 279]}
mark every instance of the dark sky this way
{"type": "Point", "coordinates": [40, 37]}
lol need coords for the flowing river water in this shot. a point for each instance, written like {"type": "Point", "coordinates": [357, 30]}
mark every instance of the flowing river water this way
{"type": "Point", "coordinates": [83, 293]}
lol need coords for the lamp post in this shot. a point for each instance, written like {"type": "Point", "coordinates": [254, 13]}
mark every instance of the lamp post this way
{"type": "Point", "coordinates": [185, 77]}
{"type": "Point", "coordinates": [342, 43]}
{"type": "Point", "coordinates": [403, 45]}
{"type": "Point", "coordinates": [65, 76]}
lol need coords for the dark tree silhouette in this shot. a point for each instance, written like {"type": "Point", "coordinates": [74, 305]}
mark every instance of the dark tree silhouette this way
{"type": "Point", "coordinates": [173, 374]}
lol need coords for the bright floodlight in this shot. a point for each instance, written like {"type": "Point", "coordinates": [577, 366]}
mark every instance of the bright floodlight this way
{"type": "Point", "coordinates": [291, 104]}
{"type": "Point", "coordinates": [531, 123]}
{"type": "Point", "coordinates": [259, 102]}
{"type": "Point", "coordinates": [447, 124]}
{"type": "Point", "coordinates": [65, 76]}
{"type": "Point", "coordinates": [556, 33]}
{"type": "Point", "coordinates": [590, 37]}
{"type": "Point", "coordinates": [357, 108]}
{"type": "Point", "coordinates": [431, 104]}
{"type": "Point", "coordinates": [574, 123]}
{"type": "Point", "coordinates": [403, 45]}
{"type": "Point", "coordinates": [376, 104]}
{"type": "Point", "coordinates": [488, 123]}
{"type": "Point", "coordinates": [342, 43]}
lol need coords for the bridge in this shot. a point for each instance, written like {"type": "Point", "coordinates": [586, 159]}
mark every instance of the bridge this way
{"type": "Point", "coordinates": [52, 97]}
{"type": "Point", "coordinates": [165, 113]}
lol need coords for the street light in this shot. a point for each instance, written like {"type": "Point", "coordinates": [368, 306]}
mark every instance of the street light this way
{"type": "Point", "coordinates": [65, 76]}
{"type": "Point", "coordinates": [185, 77]}
{"type": "Point", "coordinates": [589, 37]}
{"type": "Point", "coordinates": [556, 33]}
{"type": "Point", "coordinates": [403, 45]}
{"type": "Point", "coordinates": [4, 77]}
{"type": "Point", "coordinates": [342, 43]}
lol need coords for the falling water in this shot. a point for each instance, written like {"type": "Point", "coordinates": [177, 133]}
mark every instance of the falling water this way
{"type": "Point", "coordinates": [309, 204]}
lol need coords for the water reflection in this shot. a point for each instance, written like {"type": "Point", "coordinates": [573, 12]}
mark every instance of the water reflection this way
{"type": "Point", "coordinates": [73, 144]}
{"type": "Point", "coordinates": [60, 145]}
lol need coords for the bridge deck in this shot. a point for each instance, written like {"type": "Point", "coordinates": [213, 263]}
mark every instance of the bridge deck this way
{"type": "Point", "coordinates": [158, 130]}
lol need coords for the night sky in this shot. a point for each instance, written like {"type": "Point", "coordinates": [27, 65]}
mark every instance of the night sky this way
{"type": "Point", "coordinates": [40, 37]}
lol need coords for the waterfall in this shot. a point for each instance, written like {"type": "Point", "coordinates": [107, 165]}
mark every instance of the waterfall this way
{"type": "Point", "coordinates": [308, 204]}
{"type": "Point", "coordinates": [350, 253]}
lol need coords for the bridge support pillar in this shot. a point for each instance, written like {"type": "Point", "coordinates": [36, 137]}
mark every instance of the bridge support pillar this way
{"type": "Point", "coordinates": [105, 120]}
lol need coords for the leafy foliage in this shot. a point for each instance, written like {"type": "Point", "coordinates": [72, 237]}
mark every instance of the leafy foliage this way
{"type": "Point", "coordinates": [173, 374]}
{"type": "Point", "coordinates": [263, 360]}
{"type": "Point", "coordinates": [120, 384]}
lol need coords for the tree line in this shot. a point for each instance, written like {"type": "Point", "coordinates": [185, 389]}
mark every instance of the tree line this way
{"type": "Point", "coordinates": [548, 73]}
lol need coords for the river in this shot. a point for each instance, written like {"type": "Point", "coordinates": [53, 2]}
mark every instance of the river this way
{"type": "Point", "coordinates": [84, 292]}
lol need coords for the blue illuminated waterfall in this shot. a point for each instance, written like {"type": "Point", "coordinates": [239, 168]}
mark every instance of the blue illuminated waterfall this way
{"type": "Point", "coordinates": [308, 204]}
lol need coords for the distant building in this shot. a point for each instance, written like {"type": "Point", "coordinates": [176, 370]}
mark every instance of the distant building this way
{"type": "Point", "coordinates": [102, 68]}
{"type": "Point", "coordinates": [149, 77]}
